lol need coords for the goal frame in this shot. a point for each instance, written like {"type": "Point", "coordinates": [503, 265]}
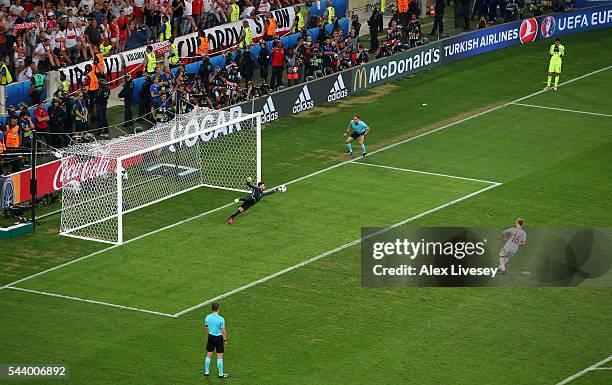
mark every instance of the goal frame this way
{"type": "Point", "coordinates": [119, 176]}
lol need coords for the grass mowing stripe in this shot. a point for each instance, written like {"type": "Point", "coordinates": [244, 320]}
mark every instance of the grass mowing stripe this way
{"type": "Point", "coordinates": [91, 301]}
{"type": "Point", "coordinates": [562, 109]}
{"type": "Point", "coordinates": [305, 177]}
{"type": "Point", "coordinates": [333, 251]}
{"type": "Point", "coordinates": [580, 373]}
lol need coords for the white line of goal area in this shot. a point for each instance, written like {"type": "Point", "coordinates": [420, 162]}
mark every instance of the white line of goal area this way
{"type": "Point", "coordinates": [563, 109]}
{"type": "Point", "coordinates": [12, 284]}
{"type": "Point", "coordinates": [595, 366]}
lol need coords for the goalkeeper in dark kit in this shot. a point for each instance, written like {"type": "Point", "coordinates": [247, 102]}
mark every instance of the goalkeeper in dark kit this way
{"type": "Point", "coordinates": [249, 201]}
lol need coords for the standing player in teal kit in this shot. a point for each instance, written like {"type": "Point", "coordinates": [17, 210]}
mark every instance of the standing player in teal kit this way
{"type": "Point", "coordinates": [360, 130]}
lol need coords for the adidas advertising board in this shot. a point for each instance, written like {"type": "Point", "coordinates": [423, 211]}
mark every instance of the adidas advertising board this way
{"type": "Point", "coordinates": [268, 112]}
{"type": "Point", "coordinates": [338, 91]}
{"type": "Point", "coordinates": [298, 98]}
{"type": "Point", "coordinates": [304, 101]}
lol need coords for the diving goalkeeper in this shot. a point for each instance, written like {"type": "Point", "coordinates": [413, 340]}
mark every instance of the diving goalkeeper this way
{"type": "Point", "coordinates": [248, 201]}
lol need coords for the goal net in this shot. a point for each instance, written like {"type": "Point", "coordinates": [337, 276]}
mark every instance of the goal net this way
{"type": "Point", "coordinates": [105, 180]}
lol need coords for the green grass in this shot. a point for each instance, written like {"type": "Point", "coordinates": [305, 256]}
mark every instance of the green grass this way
{"type": "Point", "coordinates": [316, 324]}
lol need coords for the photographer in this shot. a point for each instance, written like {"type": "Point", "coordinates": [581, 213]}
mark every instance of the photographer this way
{"type": "Point", "coordinates": [217, 81]}
{"type": "Point", "coordinates": [394, 42]}
{"type": "Point", "coordinates": [414, 31]}
{"type": "Point", "coordinates": [263, 58]}
{"type": "Point", "coordinates": [293, 64]}
{"type": "Point", "coordinates": [102, 104]}
{"type": "Point", "coordinates": [57, 119]}
{"type": "Point", "coordinates": [126, 93]}
{"type": "Point", "coordinates": [247, 66]}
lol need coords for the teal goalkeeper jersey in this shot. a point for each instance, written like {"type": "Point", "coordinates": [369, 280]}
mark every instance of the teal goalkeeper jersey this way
{"type": "Point", "coordinates": [360, 127]}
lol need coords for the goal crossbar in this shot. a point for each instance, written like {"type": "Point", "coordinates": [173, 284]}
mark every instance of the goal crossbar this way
{"type": "Point", "coordinates": [143, 176]}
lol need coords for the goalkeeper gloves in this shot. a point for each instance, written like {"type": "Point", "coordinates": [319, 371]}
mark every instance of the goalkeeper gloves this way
{"type": "Point", "coordinates": [249, 179]}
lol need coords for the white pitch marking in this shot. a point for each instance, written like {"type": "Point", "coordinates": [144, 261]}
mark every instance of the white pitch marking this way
{"type": "Point", "coordinates": [337, 249]}
{"type": "Point", "coordinates": [580, 373]}
{"type": "Point", "coordinates": [427, 173]}
{"type": "Point", "coordinates": [90, 301]}
{"type": "Point", "coordinates": [562, 109]}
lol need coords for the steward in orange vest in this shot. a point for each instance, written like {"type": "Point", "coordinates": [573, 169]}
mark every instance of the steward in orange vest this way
{"type": "Point", "coordinates": [12, 134]}
{"type": "Point", "coordinates": [270, 27]}
{"type": "Point", "coordinates": [203, 44]}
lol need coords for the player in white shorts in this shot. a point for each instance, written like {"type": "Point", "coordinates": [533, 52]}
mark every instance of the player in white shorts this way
{"type": "Point", "coordinates": [514, 237]}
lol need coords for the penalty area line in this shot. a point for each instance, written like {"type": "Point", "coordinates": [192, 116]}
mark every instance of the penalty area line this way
{"type": "Point", "coordinates": [595, 366]}
{"type": "Point", "coordinates": [91, 301]}
{"type": "Point", "coordinates": [302, 178]}
{"type": "Point", "coordinates": [562, 109]}
{"type": "Point", "coordinates": [333, 251]}
{"type": "Point", "coordinates": [427, 173]}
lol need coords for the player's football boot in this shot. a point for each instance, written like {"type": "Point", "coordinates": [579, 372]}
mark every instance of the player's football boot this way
{"type": "Point", "coordinates": [230, 220]}
{"type": "Point", "coordinates": [365, 154]}
{"type": "Point", "coordinates": [225, 375]}
{"type": "Point", "coordinates": [555, 88]}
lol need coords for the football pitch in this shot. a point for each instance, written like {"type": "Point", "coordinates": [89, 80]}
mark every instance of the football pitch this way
{"type": "Point", "coordinates": [474, 143]}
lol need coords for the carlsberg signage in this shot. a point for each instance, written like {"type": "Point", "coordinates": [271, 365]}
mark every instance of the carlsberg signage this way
{"type": "Point", "coordinates": [395, 67]}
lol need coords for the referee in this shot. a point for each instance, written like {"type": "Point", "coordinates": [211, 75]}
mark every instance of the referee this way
{"type": "Point", "coordinates": [360, 130]}
{"type": "Point", "coordinates": [217, 338]}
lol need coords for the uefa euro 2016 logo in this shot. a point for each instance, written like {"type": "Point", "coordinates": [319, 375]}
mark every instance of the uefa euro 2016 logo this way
{"type": "Point", "coordinates": [548, 27]}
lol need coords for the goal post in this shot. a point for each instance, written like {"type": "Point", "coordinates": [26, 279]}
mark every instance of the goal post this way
{"type": "Point", "coordinates": [105, 180]}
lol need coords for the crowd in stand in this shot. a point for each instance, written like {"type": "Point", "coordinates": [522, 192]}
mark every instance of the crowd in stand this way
{"type": "Point", "coordinates": [56, 33]}
{"type": "Point", "coordinates": [74, 117]}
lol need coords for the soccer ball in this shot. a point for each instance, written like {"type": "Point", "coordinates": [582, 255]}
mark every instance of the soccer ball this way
{"type": "Point", "coordinates": [282, 188]}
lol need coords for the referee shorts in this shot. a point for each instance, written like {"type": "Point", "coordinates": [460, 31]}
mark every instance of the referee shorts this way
{"type": "Point", "coordinates": [215, 343]}
{"type": "Point", "coordinates": [355, 135]}
{"type": "Point", "coordinates": [554, 67]}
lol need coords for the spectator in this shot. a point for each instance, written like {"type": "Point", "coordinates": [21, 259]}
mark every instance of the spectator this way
{"type": "Point", "coordinates": [41, 117]}
{"type": "Point", "coordinates": [249, 10]}
{"type": "Point", "coordinates": [264, 7]}
{"type": "Point", "coordinates": [93, 33]}
{"type": "Point", "coordinates": [278, 62]}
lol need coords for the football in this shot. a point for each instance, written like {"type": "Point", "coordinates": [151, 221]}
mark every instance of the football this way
{"type": "Point", "coordinates": [282, 188]}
